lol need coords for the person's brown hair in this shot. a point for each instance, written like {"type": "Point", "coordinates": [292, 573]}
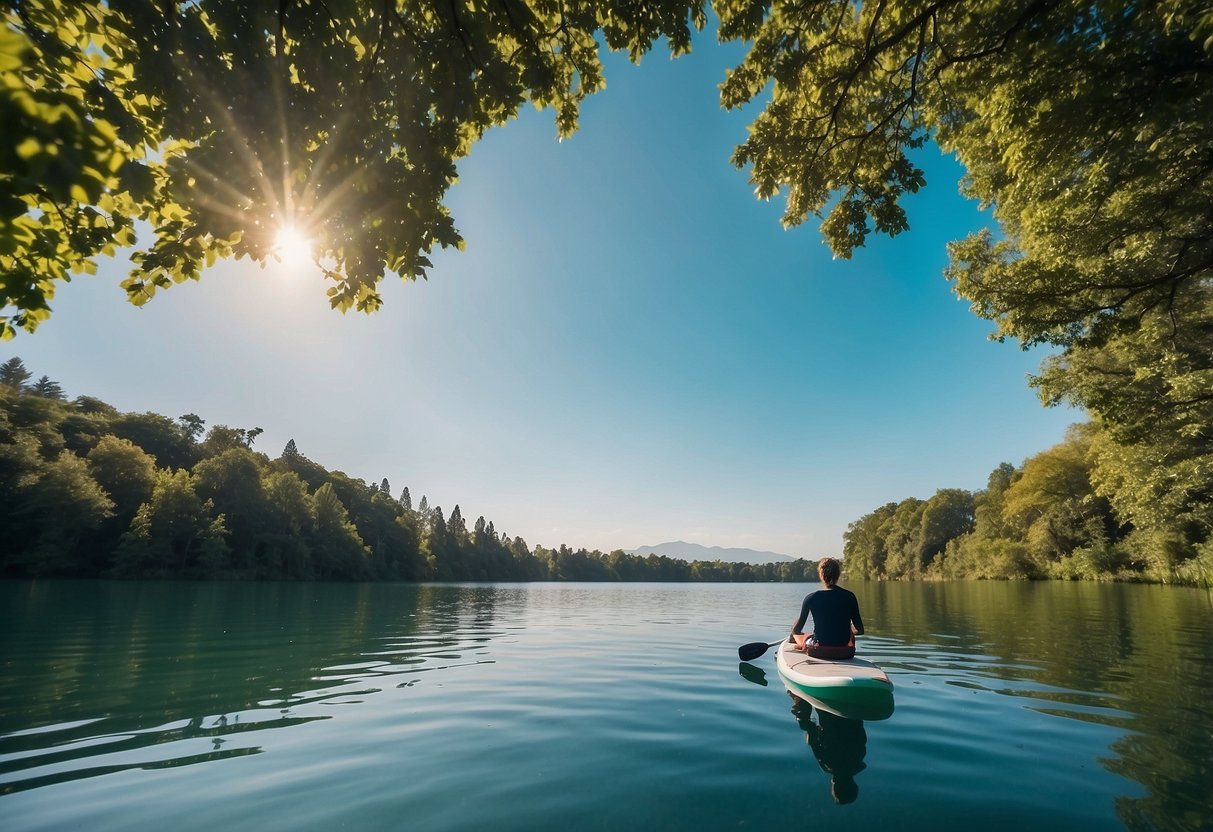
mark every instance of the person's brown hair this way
{"type": "Point", "coordinates": [828, 570]}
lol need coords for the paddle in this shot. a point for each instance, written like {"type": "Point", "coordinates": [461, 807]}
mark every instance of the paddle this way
{"type": "Point", "coordinates": [751, 651]}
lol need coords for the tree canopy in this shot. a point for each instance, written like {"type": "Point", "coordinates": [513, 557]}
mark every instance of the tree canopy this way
{"type": "Point", "coordinates": [219, 122]}
{"type": "Point", "coordinates": [1081, 124]}
{"type": "Point", "coordinates": [223, 122]}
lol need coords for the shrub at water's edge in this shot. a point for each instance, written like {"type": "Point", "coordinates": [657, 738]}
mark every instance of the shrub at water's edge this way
{"type": "Point", "coordinates": [88, 491]}
{"type": "Point", "coordinates": [1065, 513]}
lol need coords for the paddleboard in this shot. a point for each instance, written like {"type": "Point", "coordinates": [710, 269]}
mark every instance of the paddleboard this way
{"type": "Point", "coordinates": [852, 688]}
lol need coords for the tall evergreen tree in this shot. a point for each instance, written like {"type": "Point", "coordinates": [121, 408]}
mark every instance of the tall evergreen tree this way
{"type": "Point", "coordinates": [456, 525]}
{"type": "Point", "coordinates": [47, 389]}
{"type": "Point", "coordinates": [406, 501]}
{"type": "Point", "coordinates": [290, 451]}
{"type": "Point", "coordinates": [437, 543]}
{"type": "Point", "coordinates": [14, 374]}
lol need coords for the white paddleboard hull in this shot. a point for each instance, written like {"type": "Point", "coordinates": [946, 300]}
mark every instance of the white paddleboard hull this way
{"type": "Point", "coordinates": [852, 688]}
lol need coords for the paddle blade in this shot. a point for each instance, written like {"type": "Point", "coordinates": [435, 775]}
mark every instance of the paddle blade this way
{"type": "Point", "coordinates": [751, 651]}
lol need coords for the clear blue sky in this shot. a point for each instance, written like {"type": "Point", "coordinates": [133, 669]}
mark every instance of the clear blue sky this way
{"type": "Point", "coordinates": [630, 350]}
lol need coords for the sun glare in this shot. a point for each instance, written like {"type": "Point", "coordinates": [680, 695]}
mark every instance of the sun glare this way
{"type": "Point", "coordinates": [292, 247]}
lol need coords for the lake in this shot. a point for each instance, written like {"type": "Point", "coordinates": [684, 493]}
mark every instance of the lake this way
{"type": "Point", "coordinates": [152, 706]}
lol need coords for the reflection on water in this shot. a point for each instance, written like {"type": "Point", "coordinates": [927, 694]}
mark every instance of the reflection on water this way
{"type": "Point", "coordinates": [602, 706]}
{"type": "Point", "coordinates": [66, 759]}
{"type": "Point", "coordinates": [1138, 659]}
{"type": "Point", "coordinates": [837, 736]}
{"type": "Point", "coordinates": [838, 743]}
{"type": "Point", "coordinates": [752, 674]}
{"type": "Point", "coordinates": [865, 704]}
{"type": "Point", "coordinates": [175, 687]}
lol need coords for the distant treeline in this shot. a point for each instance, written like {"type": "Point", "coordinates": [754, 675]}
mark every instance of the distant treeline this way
{"type": "Point", "coordinates": [1053, 517]}
{"type": "Point", "coordinates": [88, 491]}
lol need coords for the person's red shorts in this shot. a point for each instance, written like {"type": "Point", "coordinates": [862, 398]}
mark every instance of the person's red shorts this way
{"type": "Point", "coordinates": [829, 651]}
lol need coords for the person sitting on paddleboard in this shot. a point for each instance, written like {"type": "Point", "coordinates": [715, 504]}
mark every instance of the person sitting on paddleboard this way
{"type": "Point", "coordinates": [835, 613]}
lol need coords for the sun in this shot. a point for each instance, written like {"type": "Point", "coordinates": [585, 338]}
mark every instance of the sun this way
{"type": "Point", "coordinates": [292, 247]}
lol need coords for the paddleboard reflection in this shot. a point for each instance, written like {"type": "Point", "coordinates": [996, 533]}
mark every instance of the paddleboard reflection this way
{"type": "Point", "coordinates": [839, 744]}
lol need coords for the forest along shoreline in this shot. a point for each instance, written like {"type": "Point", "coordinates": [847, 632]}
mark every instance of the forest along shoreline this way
{"type": "Point", "coordinates": [1055, 516]}
{"type": "Point", "coordinates": [89, 491]}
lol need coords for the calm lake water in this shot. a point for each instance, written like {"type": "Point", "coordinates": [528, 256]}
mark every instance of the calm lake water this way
{"type": "Point", "coordinates": [157, 706]}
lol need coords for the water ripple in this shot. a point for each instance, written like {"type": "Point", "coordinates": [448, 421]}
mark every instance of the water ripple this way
{"type": "Point", "coordinates": [550, 707]}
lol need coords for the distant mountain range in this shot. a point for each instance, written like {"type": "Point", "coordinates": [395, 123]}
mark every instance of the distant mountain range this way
{"type": "Point", "coordinates": [680, 550]}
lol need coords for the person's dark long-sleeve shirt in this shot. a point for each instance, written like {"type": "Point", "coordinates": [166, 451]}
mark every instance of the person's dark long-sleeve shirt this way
{"type": "Point", "coordinates": [834, 611]}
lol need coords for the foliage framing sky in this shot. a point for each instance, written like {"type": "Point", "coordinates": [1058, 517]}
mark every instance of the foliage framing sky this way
{"type": "Point", "coordinates": [630, 350]}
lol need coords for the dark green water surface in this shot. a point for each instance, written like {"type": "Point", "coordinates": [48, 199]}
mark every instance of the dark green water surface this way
{"type": "Point", "coordinates": [162, 706]}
